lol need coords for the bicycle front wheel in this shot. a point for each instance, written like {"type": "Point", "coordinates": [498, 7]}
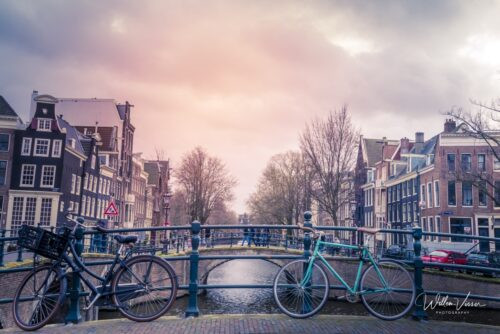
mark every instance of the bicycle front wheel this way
{"type": "Point", "coordinates": [145, 288]}
{"type": "Point", "coordinates": [395, 299]}
{"type": "Point", "coordinates": [38, 297]}
{"type": "Point", "coordinates": [300, 300]}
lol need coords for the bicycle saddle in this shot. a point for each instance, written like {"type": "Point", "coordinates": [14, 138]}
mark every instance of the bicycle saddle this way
{"type": "Point", "coordinates": [125, 239]}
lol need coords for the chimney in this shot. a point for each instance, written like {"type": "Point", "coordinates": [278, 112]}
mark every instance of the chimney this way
{"type": "Point", "coordinates": [405, 145]}
{"type": "Point", "coordinates": [449, 125]}
{"type": "Point", "coordinates": [419, 142]}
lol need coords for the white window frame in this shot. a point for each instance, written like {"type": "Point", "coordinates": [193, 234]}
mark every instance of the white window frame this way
{"type": "Point", "coordinates": [44, 167]}
{"type": "Point", "coordinates": [37, 140]}
{"type": "Point", "coordinates": [21, 184]}
{"type": "Point", "coordinates": [26, 145]}
{"type": "Point", "coordinates": [44, 121]}
{"type": "Point", "coordinates": [6, 173]}
{"type": "Point", "coordinates": [57, 143]}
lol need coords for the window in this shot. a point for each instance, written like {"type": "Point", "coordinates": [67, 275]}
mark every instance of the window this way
{"type": "Point", "coordinates": [61, 206]}
{"type": "Point", "coordinates": [4, 142]}
{"type": "Point", "coordinates": [466, 162]}
{"type": "Point", "coordinates": [482, 195]}
{"type": "Point", "coordinates": [28, 175]}
{"type": "Point", "coordinates": [460, 226]}
{"type": "Point", "coordinates": [431, 227]}
{"type": "Point", "coordinates": [86, 181]}
{"type": "Point", "coordinates": [404, 188]}
{"type": "Point", "coordinates": [92, 162]}
{"type": "Point", "coordinates": [404, 212]}
{"type": "Point", "coordinates": [92, 212]}
{"type": "Point", "coordinates": [436, 193]}
{"type": "Point", "coordinates": [73, 183]}
{"type": "Point", "coordinates": [415, 218]}
{"type": "Point", "coordinates": [48, 176]}
{"type": "Point", "coordinates": [41, 147]}
{"type": "Point", "coordinates": [26, 147]}
{"type": "Point", "coordinates": [424, 224]}
{"type": "Point", "coordinates": [103, 159]}
{"type": "Point", "coordinates": [496, 164]}
{"type": "Point", "coordinates": [78, 184]}
{"type": "Point", "coordinates": [451, 162]}
{"type": "Point", "coordinates": [56, 148]}
{"type": "Point", "coordinates": [84, 201]}
{"type": "Point", "coordinates": [452, 197]}
{"type": "Point", "coordinates": [95, 184]}
{"type": "Point", "coordinates": [77, 206]}
{"type": "Point", "coordinates": [422, 193]}
{"type": "Point", "coordinates": [44, 124]}
{"type": "Point", "coordinates": [497, 193]}
{"type": "Point", "coordinates": [46, 211]}
{"type": "Point", "coordinates": [467, 193]}
{"type": "Point", "coordinates": [429, 197]}
{"type": "Point", "coordinates": [3, 171]}
{"type": "Point", "coordinates": [29, 214]}
{"type": "Point", "coordinates": [438, 227]}
{"type": "Point", "coordinates": [17, 213]}
{"type": "Point", "coordinates": [409, 185]}
{"type": "Point", "coordinates": [91, 181]}
{"type": "Point", "coordinates": [408, 213]}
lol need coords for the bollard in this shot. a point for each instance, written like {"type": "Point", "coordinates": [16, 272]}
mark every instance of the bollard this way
{"type": "Point", "coordinates": [74, 315]}
{"type": "Point", "coordinates": [2, 246]}
{"type": "Point", "coordinates": [177, 243]}
{"type": "Point", "coordinates": [286, 240]}
{"type": "Point", "coordinates": [19, 254]}
{"type": "Point", "coordinates": [419, 313]}
{"type": "Point", "coordinates": [231, 241]}
{"type": "Point", "coordinates": [192, 309]}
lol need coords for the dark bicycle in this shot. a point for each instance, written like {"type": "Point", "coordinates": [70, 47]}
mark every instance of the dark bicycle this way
{"type": "Point", "coordinates": [142, 287]}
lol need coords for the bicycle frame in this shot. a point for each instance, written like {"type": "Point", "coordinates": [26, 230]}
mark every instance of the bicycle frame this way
{"type": "Point", "coordinates": [365, 254]}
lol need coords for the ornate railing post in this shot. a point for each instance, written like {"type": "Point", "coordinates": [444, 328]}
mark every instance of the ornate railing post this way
{"type": "Point", "coordinates": [306, 307]}
{"type": "Point", "coordinates": [2, 246]}
{"type": "Point", "coordinates": [419, 313]}
{"type": "Point", "coordinates": [307, 235]}
{"type": "Point", "coordinates": [192, 309]}
{"type": "Point", "coordinates": [74, 315]}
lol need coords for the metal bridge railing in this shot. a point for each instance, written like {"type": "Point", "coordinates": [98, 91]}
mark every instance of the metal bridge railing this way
{"type": "Point", "coordinates": [191, 237]}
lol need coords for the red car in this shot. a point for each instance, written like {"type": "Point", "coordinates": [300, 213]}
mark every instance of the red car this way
{"type": "Point", "coordinates": [445, 256]}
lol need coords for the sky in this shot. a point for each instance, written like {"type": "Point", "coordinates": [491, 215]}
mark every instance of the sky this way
{"type": "Point", "coordinates": [242, 78]}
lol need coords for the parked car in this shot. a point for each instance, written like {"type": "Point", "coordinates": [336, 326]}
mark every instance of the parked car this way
{"type": "Point", "coordinates": [395, 252]}
{"type": "Point", "coordinates": [490, 260]}
{"type": "Point", "coordinates": [445, 256]}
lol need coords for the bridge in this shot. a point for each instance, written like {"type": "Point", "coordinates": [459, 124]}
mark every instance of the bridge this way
{"type": "Point", "coordinates": [194, 263]}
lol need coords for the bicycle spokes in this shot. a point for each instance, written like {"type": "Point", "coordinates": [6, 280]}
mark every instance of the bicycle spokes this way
{"type": "Point", "coordinates": [388, 292]}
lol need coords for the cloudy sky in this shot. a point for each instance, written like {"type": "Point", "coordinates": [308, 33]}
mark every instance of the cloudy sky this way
{"type": "Point", "coordinates": [241, 78]}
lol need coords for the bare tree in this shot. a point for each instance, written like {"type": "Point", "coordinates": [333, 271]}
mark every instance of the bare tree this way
{"type": "Point", "coordinates": [483, 124]}
{"type": "Point", "coordinates": [205, 182]}
{"type": "Point", "coordinates": [178, 213]}
{"type": "Point", "coordinates": [283, 191]}
{"type": "Point", "coordinates": [329, 148]}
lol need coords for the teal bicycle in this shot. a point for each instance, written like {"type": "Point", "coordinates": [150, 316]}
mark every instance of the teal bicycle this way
{"type": "Point", "coordinates": [301, 288]}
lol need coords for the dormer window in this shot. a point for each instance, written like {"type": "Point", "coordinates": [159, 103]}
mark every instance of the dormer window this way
{"type": "Point", "coordinates": [44, 124]}
{"type": "Point", "coordinates": [72, 143]}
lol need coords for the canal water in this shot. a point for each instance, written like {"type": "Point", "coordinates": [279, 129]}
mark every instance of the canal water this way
{"type": "Point", "coordinates": [248, 301]}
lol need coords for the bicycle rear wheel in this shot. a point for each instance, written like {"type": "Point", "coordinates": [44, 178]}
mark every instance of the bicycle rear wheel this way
{"type": "Point", "coordinates": [38, 297]}
{"type": "Point", "coordinates": [300, 301]}
{"type": "Point", "coordinates": [397, 300]}
{"type": "Point", "coordinates": [145, 288]}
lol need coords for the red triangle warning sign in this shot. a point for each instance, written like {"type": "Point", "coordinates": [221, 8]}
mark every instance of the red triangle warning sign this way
{"type": "Point", "coordinates": [111, 210]}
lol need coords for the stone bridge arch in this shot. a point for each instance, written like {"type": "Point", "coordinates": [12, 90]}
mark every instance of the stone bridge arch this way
{"type": "Point", "coordinates": [207, 266]}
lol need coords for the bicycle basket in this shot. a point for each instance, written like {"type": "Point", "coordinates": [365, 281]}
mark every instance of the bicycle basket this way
{"type": "Point", "coordinates": [43, 242]}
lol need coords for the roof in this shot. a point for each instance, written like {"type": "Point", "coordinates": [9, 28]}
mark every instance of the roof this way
{"type": "Point", "coordinates": [6, 109]}
{"type": "Point", "coordinates": [89, 111]}
{"type": "Point", "coordinates": [153, 170]}
{"type": "Point", "coordinates": [428, 147]}
{"type": "Point", "coordinates": [81, 141]}
{"type": "Point", "coordinates": [373, 149]}
{"type": "Point", "coordinates": [107, 133]}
